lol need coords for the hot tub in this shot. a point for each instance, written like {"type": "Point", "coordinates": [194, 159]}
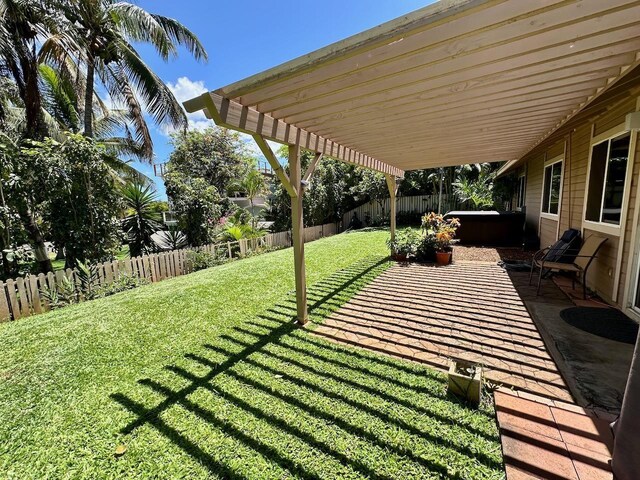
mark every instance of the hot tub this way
{"type": "Point", "coordinates": [491, 228]}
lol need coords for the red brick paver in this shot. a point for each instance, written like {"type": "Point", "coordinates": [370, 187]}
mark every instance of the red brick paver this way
{"type": "Point", "coordinates": [467, 311]}
{"type": "Point", "coordinates": [549, 442]}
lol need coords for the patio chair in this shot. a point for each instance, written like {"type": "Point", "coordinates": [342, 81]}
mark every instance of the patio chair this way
{"type": "Point", "coordinates": [579, 266]}
{"type": "Point", "coordinates": [564, 251]}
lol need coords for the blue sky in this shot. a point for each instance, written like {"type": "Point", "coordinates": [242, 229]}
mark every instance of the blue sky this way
{"type": "Point", "coordinates": [243, 37]}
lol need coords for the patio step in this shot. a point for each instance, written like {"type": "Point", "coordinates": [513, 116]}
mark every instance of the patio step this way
{"type": "Point", "coordinates": [550, 440]}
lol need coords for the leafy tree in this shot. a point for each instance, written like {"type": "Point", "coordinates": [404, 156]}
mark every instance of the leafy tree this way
{"type": "Point", "coordinates": [201, 169]}
{"type": "Point", "coordinates": [142, 220]}
{"type": "Point", "coordinates": [371, 186]}
{"type": "Point", "coordinates": [216, 155]}
{"type": "Point", "coordinates": [326, 198]}
{"type": "Point", "coordinates": [197, 205]}
{"type": "Point", "coordinates": [106, 31]}
{"type": "Point", "coordinates": [479, 191]}
{"type": "Point", "coordinates": [83, 202]}
{"type": "Point", "coordinates": [75, 195]}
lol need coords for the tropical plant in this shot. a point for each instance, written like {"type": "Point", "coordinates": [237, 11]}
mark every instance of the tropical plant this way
{"type": "Point", "coordinates": [406, 242]}
{"type": "Point", "coordinates": [106, 30]}
{"type": "Point", "coordinates": [476, 191]}
{"type": "Point", "coordinates": [439, 232]}
{"type": "Point", "coordinates": [252, 184]}
{"type": "Point", "coordinates": [240, 225]}
{"type": "Point", "coordinates": [142, 220]}
{"type": "Point", "coordinates": [88, 279]}
{"type": "Point", "coordinates": [24, 26]}
{"type": "Point", "coordinates": [172, 239]}
{"type": "Point", "coordinates": [60, 294]}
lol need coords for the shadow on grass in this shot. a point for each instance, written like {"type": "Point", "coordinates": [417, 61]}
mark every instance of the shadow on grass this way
{"type": "Point", "coordinates": [291, 403]}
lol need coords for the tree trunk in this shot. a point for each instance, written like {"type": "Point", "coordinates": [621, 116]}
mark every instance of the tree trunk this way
{"type": "Point", "coordinates": [37, 240]}
{"type": "Point", "coordinates": [88, 97]}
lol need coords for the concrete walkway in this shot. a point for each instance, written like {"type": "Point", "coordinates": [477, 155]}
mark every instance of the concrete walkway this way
{"type": "Point", "coordinates": [469, 311]}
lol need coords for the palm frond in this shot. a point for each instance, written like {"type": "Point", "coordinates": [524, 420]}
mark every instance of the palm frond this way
{"type": "Point", "coordinates": [139, 25]}
{"type": "Point", "coordinates": [119, 88]}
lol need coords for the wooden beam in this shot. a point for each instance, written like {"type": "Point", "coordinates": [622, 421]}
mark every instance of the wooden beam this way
{"type": "Point", "coordinates": [312, 167]}
{"type": "Point", "coordinates": [391, 184]}
{"type": "Point", "coordinates": [233, 115]}
{"type": "Point", "coordinates": [275, 164]}
{"type": "Point", "coordinates": [297, 233]}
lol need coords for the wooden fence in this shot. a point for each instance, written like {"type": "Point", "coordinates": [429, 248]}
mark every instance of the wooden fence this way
{"type": "Point", "coordinates": [21, 297]}
{"type": "Point", "coordinates": [416, 203]}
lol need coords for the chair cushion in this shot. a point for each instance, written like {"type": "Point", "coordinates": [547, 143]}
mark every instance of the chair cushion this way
{"type": "Point", "coordinates": [559, 251]}
{"type": "Point", "coordinates": [568, 267]}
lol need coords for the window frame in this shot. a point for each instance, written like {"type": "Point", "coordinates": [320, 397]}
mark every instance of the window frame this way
{"type": "Point", "coordinates": [603, 227]}
{"type": "Point", "coordinates": [549, 163]}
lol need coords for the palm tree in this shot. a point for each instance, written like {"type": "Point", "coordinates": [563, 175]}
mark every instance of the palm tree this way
{"type": "Point", "coordinates": [61, 110]}
{"type": "Point", "coordinates": [23, 24]}
{"type": "Point", "coordinates": [143, 220]}
{"type": "Point", "coordinates": [107, 29]}
{"type": "Point", "coordinates": [252, 184]}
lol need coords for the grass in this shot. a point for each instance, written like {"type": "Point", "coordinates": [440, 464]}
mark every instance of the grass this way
{"type": "Point", "coordinates": [205, 376]}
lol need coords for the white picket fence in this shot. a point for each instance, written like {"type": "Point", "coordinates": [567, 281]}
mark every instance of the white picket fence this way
{"type": "Point", "coordinates": [414, 203]}
{"type": "Point", "coordinates": [21, 297]}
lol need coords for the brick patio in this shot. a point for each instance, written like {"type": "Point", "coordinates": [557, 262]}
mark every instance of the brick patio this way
{"type": "Point", "coordinates": [467, 310]}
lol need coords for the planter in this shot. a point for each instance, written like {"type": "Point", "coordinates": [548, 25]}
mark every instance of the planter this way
{"type": "Point", "coordinates": [443, 258]}
{"type": "Point", "coordinates": [465, 381]}
{"type": "Point", "coordinates": [399, 257]}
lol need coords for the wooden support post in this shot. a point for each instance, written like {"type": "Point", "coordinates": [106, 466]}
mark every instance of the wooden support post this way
{"type": "Point", "coordinates": [312, 167]}
{"type": "Point", "coordinates": [391, 183]}
{"type": "Point", "coordinates": [297, 230]}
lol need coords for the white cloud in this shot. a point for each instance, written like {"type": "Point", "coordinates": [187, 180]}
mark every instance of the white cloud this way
{"type": "Point", "coordinates": [185, 89]}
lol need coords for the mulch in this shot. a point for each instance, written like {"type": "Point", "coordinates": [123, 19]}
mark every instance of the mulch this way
{"type": "Point", "coordinates": [462, 253]}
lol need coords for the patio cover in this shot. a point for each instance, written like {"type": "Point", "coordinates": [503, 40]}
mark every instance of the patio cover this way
{"type": "Point", "coordinates": [461, 81]}
{"type": "Point", "coordinates": [456, 82]}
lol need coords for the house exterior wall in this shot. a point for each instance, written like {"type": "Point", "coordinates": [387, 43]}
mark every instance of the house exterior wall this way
{"type": "Point", "coordinates": [613, 271]}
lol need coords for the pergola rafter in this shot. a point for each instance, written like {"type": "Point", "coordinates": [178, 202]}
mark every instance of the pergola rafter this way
{"type": "Point", "coordinates": [230, 114]}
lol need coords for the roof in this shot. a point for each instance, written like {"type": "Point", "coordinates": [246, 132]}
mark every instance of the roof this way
{"type": "Point", "coordinates": [457, 82]}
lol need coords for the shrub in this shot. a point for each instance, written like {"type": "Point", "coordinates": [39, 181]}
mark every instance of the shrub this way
{"type": "Point", "coordinates": [123, 283]}
{"type": "Point", "coordinates": [199, 260]}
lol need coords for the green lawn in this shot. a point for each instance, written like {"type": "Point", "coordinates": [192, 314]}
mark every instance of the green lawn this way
{"type": "Point", "coordinates": [205, 376]}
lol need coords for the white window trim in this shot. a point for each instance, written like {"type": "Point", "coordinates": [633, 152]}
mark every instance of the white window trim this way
{"type": "Point", "coordinates": [607, 228]}
{"type": "Point", "coordinates": [524, 192]}
{"type": "Point", "coordinates": [553, 161]}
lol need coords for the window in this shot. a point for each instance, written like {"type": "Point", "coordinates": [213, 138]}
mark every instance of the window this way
{"type": "Point", "coordinates": [551, 190]}
{"type": "Point", "coordinates": [522, 185]}
{"type": "Point", "coordinates": [607, 176]}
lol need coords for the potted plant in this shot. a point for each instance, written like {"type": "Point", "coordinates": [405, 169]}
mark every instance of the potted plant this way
{"type": "Point", "coordinates": [403, 245]}
{"type": "Point", "coordinates": [440, 233]}
{"type": "Point", "coordinates": [465, 380]}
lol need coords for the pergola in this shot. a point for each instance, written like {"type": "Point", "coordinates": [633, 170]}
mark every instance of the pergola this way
{"type": "Point", "coordinates": [457, 82]}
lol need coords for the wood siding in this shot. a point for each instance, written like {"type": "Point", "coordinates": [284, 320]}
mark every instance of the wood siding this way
{"type": "Point", "coordinates": [548, 231]}
{"type": "Point", "coordinates": [608, 264]}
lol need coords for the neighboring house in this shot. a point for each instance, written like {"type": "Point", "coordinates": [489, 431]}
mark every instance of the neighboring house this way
{"type": "Point", "coordinates": [585, 176]}
{"type": "Point", "coordinates": [259, 204]}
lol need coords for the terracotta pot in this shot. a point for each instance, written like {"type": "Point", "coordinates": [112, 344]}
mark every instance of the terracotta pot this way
{"type": "Point", "coordinates": [443, 258]}
{"type": "Point", "coordinates": [399, 257]}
